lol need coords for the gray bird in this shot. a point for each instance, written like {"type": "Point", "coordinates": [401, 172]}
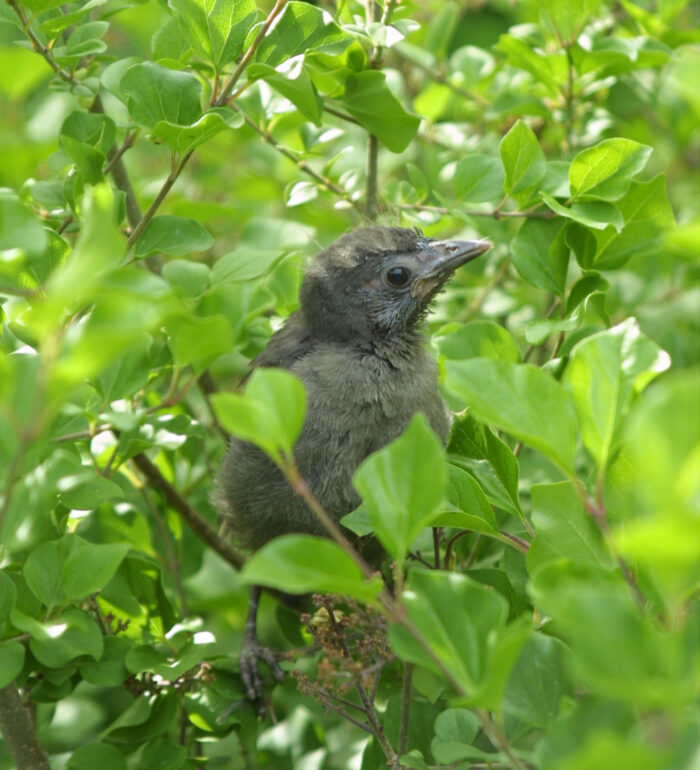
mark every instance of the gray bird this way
{"type": "Point", "coordinates": [354, 343]}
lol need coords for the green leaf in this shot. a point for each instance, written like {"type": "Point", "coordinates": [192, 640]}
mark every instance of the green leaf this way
{"type": "Point", "coordinates": [654, 486]}
{"type": "Point", "coordinates": [8, 596]}
{"type": "Point", "coordinates": [244, 265]}
{"type": "Point", "coordinates": [169, 42]}
{"type": "Point", "coordinates": [369, 100]}
{"type": "Point", "coordinates": [569, 18]}
{"type": "Point", "coordinates": [11, 661]}
{"type": "Point", "coordinates": [523, 161]}
{"type": "Point", "coordinates": [72, 634]}
{"type": "Point", "coordinates": [479, 178]}
{"type": "Point", "coordinates": [42, 571]}
{"type": "Point", "coordinates": [154, 93]}
{"type": "Point", "coordinates": [604, 372]}
{"type": "Point", "coordinates": [647, 214]}
{"type": "Point", "coordinates": [162, 754]}
{"type": "Point", "coordinates": [109, 670]}
{"type": "Point", "coordinates": [474, 510]}
{"type": "Point", "coordinates": [522, 56]}
{"type": "Point", "coordinates": [564, 529]}
{"type": "Point", "coordinates": [184, 138]}
{"type": "Point", "coordinates": [191, 279]}
{"type": "Point", "coordinates": [595, 214]}
{"type": "Point", "coordinates": [520, 399]}
{"type": "Point", "coordinates": [87, 491]}
{"type": "Point", "coordinates": [617, 650]}
{"type": "Point", "coordinates": [292, 80]}
{"type": "Point", "coordinates": [92, 755]}
{"type": "Point", "coordinates": [541, 255]}
{"type": "Point", "coordinates": [539, 681]}
{"type": "Point", "coordinates": [403, 485]}
{"type": "Point", "coordinates": [270, 413]}
{"type": "Point", "coordinates": [87, 138]}
{"type": "Point", "coordinates": [299, 29]}
{"type": "Point", "coordinates": [216, 29]}
{"type": "Point", "coordinates": [145, 719]}
{"type": "Point", "coordinates": [304, 564]}
{"type": "Point", "coordinates": [605, 171]}
{"type": "Point", "coordinates": [176, 236]}
{"type": "Point", "coordinates": [196, 340]}
{"type": "Point", "coordinates": [472, 439]}
{"type": "Point", "coordinates": [454, 729]}
{"type": "Point", "coordinates": [100, 247]}
{"type": "Point", "coordinates": [19, 228]}
{"type": "Point", "coordinates": [459, 640]}
{"type": "Point", "coordinates": [479, 339]}
{"type": "Point", "coordinates": [90, 567]}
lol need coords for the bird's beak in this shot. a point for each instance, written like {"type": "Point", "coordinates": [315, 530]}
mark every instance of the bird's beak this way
{"type": "Point", "coordinates": [441, 259]}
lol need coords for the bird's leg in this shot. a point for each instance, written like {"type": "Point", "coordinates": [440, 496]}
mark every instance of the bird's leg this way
{"type": "Point", "coordinates": [252, 652]}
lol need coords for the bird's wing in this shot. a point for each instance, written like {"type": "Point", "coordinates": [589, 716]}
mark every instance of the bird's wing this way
{"type": "Point", "coordinates": [292, 342]}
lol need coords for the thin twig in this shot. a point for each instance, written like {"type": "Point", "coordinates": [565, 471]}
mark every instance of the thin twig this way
{"type": "Point", "coordinates": [340, 114]}
{"type": "Point", "coordinates": [40, 48]}
{"type": "Point", "coordinates": [404, 724]}
{"type": "Point", "coordinates": [164, 190]}
{"type": "Point", "coordinates": [301, 164]}
{"type": "Point", "coordinates": [441, 78]}
{"type": "Point", "coordinates": [492, 213]}
{"type": "Point", "coordinates": [369, 710]}
{"type": "Point", "coordinates": [226, 90]}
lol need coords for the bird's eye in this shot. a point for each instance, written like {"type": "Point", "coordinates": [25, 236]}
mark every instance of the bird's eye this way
{"type": "Point", "coordinates": [398, 276]}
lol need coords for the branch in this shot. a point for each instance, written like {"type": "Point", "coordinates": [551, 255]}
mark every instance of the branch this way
{"type": "Point", "coordinates": [405, 708]}
{"type": "Point", "coordinates": [116, 166]}
{"type": "Point", "coordinates": [226, 90]}
{"type": "Point", "coordinates": [164, 190]}
{"type": "Point", "coordinates": [302, 165]}
{"type": "Point", "coordinates": [493, 213]}
{"type": "Point", "coordinates": [18, 731]}
{"type": "Point", "coordinates": [197, 523]}
{"type": "Point", "coordinates": [367, 705]}
{"type": "Point", "coordinates": [444, 80]}
{"type": "Point", "coordinates": [397, 613]}
{"type": "Point", "coordinates": [40, 48]}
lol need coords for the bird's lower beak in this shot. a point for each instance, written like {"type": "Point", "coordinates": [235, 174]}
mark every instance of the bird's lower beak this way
{"type": "Point", "coordinates": [442, 258]}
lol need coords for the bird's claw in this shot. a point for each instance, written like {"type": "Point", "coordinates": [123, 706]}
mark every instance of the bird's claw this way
{"type": "Point", "coordinates": [252, 652]}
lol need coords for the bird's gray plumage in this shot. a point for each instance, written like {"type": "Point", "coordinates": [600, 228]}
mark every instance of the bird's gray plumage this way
{"type": "Point", "coordinates": [355, 346]}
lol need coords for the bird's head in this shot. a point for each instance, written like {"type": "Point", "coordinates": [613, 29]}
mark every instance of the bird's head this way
{"type": "Point", "coordinates": [378, 281]}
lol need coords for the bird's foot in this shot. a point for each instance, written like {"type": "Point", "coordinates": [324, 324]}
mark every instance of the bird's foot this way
{"type": "Point", "coordinates": [252, 652]}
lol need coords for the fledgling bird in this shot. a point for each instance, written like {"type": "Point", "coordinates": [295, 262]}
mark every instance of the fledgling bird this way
{"type": "Point", "coordinates": [355, 344]}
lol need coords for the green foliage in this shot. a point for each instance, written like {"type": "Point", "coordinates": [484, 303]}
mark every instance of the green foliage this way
{"type": "Point", "coordinates": [168, 169]}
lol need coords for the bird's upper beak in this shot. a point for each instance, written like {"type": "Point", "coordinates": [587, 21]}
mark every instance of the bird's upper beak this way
{"type": "Point", "coordinates": [440, 259]}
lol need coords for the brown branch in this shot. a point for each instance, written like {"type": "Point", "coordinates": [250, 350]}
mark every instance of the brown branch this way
{"type": "Point", "coordinates": [226, 90]}
{"type": "Point", "coordinates": [18, 731]}
{"type": "Point", "coordinates": [405, 708]}
{"type": "Point", "coordinates": [368, 706]}
{"type": "Point", "coordinates": [197, 523]}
